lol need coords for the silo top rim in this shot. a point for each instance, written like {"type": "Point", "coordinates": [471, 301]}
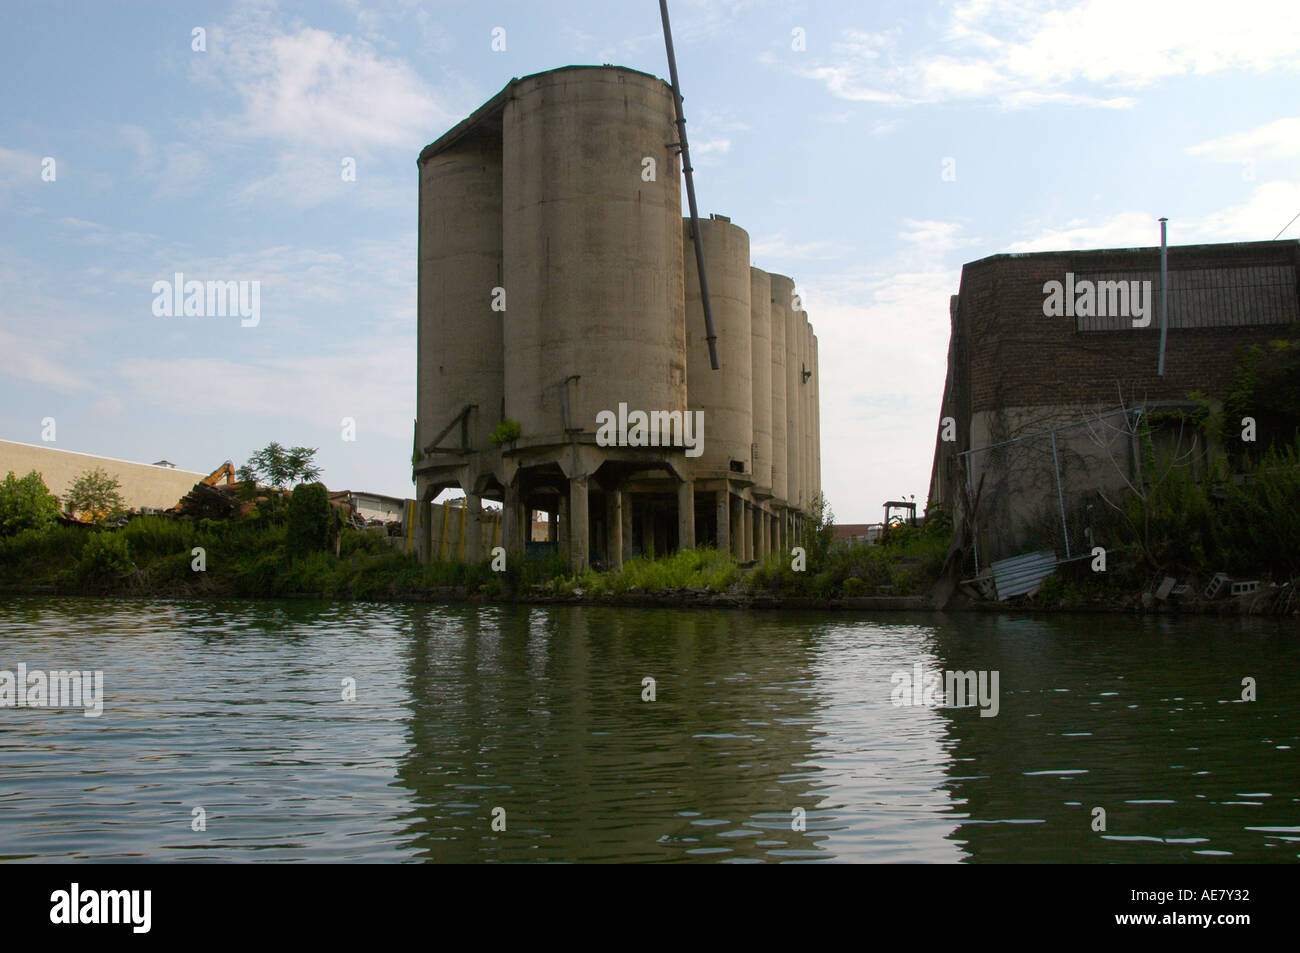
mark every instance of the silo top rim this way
{"type": "Point", "coordinates": [487, 118]}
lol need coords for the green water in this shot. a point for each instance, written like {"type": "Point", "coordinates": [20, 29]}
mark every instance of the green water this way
{"type": "Point", "coordinates": [237, 708]}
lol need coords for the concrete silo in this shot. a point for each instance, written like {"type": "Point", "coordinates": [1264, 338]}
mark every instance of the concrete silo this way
{"type": "Point", "coordinates": [782, 295]}
{"type": "Point", "coordinates": [779, 285]}
{"type": "Point", "coordinates": [460, 380]}
{"type": "Point", "coordinates": [817, 418]}
{"type": "Point", "coordinates": [805, 410]}
{"type": "Point", "coordinates": [593, 251]}
{"type": "Point", "coordinates": [760, 312]}
{"type": "Point", "coordinates": [553, 282]}
{"type": "Point", "coordinates": [725, 396]}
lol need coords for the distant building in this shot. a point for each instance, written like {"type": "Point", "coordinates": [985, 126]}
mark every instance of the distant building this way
{"type": "Point", "coordinates": [1051, 368]}
{"type": "Point", "coordinates": [141, 485]}
{"type": "Point", "coordinates": [372, 506]}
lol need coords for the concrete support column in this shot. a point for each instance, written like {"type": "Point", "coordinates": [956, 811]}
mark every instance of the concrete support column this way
{"type": "Point", "coordinates": [723, 513]}
{"type": "Point", "coordinates": [512, 527]}
{"type": "Point", "coordinates": [423, 530]}
{"type": "Point", "coordinates": [562, 526]}
{"type": "Point", "coordinates": [579, 523]}
{"type": "Point", "coordinates": [686, 515]}
{"type": "Point", "coordinates": [625, 509]}
{"type": "Point", "coordinates": [553, 526]}
{"type": "Point", "coordinates": [764, 535]}
{"type": "Point", "coordinates": [648, 533]}
{"type": "Point", "coordinates": [746, 531]}
{"type": "Point", "coordinates": [473, 528]}
{"type": "Point", "coordinates": [614, 528]}
{"type": "Point", "coordinates": [736, 508]}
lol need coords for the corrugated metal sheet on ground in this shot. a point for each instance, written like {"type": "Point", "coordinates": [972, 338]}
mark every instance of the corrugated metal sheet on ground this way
{"type": "Point", "coordinates": [1021, 574]}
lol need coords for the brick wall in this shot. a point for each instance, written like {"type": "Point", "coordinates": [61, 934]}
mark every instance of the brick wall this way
{"type": "Point", "coordinates": [1016, 357]}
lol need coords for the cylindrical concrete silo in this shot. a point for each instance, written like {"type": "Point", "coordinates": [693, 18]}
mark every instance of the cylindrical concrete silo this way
{"type": "Point", "coordinates": [816, 418]}
{"type": "Point", "coordinates": [726, 395]}
{"type": "Point", "coordinates": [781, 287]}
{"type": "Point", "coordinates": [760, 311]}
{"type": "Point", "coordinates": [593, 250]}
{"type": "Point", "coordinates": [459, 354]}
{"type": "Point", "coordinates": [793, 390]}
{"type": "Point", "coordinates": [806, 407]}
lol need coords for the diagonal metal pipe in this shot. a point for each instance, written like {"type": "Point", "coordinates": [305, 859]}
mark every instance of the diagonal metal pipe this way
{"type": "Point", "coordinates": [709, 335]}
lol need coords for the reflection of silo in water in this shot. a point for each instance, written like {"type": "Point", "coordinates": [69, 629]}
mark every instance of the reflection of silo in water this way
{"type": "Point", "coordinates": [592, 251]}
{"type": "Point", "coordinates": [760, 316]}
{"type": "Point", "coordinates": [584, 768]}
{"type": "Point", "coordinates": [725, 396]}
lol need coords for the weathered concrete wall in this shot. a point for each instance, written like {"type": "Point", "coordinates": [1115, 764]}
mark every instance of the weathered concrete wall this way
{"type": "Point", "coordinates": [593, 251]}
{"type": "Point", "coordinates": [142, 485]}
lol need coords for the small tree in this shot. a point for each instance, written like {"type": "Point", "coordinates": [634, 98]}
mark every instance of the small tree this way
{"type": "Point", "coordinates": [26, 504]}
{"type": "Point", "coordinates": [280, 467]}
{"type": "Point", "coordinates": [312, 524]}
{"type": "Point", "coordinates": [95, 494]}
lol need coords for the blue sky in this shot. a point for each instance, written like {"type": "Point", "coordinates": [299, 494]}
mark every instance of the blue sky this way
{"type": "Point", "coordinates": [1071, 125]}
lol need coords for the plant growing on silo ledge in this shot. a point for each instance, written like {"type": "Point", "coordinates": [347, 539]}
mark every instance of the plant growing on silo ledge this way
{"type": "Point", "coordinates": [507, 431]}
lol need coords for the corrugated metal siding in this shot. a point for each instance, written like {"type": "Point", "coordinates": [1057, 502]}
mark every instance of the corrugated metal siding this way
{"type": "Point", "coordinates": [1243, 296]}
{"type": "Point", "coordinates": [1021, 574]}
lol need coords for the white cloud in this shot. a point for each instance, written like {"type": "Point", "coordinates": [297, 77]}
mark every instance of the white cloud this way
{"type": "Point", "coordinates": [1279, 139]}
{"type": "Point", "coordinates": [1019, 54]}
{"type": "Point", "coordinates": [1256, 219]}
{"type": "Point", "coordinates": [316, 88]}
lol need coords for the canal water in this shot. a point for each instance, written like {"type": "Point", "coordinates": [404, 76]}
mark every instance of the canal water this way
{"type": "Point", "coordinates": [770, 737]}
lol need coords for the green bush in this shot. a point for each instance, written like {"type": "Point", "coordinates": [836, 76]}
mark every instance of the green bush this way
{"type": "Point", "coordinates": [159, 536]}
{"type": "Point", "coordinates": [312, 524]}
{"type": "Point", "coordinates": [26, 504]}
{"type": "Point", "coordinates": [106, 557]}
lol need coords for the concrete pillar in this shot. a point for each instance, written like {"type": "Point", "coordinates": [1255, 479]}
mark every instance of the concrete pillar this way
{"type": "Point", "coordinates": [512, 527]}
{"type": "Point", "coordinates": [723, 512]}
{"type": "Point", "coordinates": [423, 530]}
{"type": "Point", "coordinates": [614, 528]}
{"type": "Point", "coordinates": [736, 508]}
{"type": "Point", "coordinates": [686, 515]}
{"type": "Point", "coordinates": [746, 531]}
{"type": "Point", "coordinates": [764, 535]}
{"type": "Point", "coordinates": [473, 528]}
{"type": "Point", "coordinates": [648, 533]}
{"type": "Point", "coordinates": [562, 526]}
{"type": "Point", "coordinates": [579, 523]}
{"type": "Point", "coordinates": [625, 508]}
{"type": "Point", "coordinates": [553, 526]}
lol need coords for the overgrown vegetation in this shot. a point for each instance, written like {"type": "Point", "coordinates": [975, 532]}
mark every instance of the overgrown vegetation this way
{"type": "Point", "coordinates": [26, 504]}
{"type": "Point", "coordinates": [507, 431]}
{"type": "Point", "coordinates": [95, 494]}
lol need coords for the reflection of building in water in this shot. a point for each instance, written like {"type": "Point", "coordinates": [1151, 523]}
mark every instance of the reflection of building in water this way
{"type": "Point", "coordinates": [1135, 724]}
{"type": "Point", "coordinates": [540, 711]}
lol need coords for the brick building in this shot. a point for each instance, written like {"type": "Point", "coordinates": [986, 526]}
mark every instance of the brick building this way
{"type": "Point", "coordinates": [1038, 413]}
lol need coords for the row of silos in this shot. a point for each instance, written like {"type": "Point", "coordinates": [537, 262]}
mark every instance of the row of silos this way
{"type": "Point", "coordinates": [760, 405]}
{"type": "Point", "coordinates": [557, 282]}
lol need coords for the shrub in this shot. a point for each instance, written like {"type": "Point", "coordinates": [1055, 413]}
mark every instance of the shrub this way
{"type": "Point", "coordinates": [94, 493]}
{"type": "Point", "coordinates": [106, 557]}
{"type": "Point", "coordinates": [505, 432]}
{"type": "Point", "coordinates": [312, 524]}
{"type": "Point", "coordinates": [26, 504]}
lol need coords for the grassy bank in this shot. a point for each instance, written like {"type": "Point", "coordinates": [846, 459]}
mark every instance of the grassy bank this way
{"type": "Point", "coordinates": [154, 555]}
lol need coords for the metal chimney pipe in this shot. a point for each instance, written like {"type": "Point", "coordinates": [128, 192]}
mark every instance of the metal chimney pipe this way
{"type": "Point", "coordinates": [1164, 296]}
{"type": "Point", "coordinates": [709, 334]}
